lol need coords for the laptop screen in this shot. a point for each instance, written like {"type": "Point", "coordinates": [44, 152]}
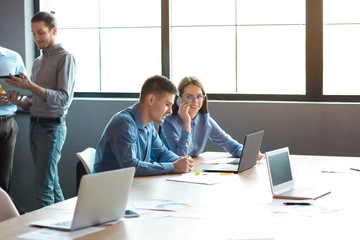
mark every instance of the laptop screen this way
{"type": "Point", "coordinates": [279, 165]}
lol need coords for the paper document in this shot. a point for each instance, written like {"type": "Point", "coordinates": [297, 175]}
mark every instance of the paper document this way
{"type": "Point", "coordinates": [45, 234]}
{"type": "Point", "coordinates": [203, 178]}
{"type": "Point", "coordinates": [163, 205]}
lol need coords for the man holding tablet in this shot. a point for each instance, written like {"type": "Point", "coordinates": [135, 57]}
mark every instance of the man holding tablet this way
{"type": "Point", "coordinates": [52, 86]}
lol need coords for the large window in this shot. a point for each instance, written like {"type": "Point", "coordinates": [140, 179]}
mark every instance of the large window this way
{"type": "Point", "coordinates": [300, 50]}
{"type": "Point", "coordinates": [341, 47]}
{"type": "Point", "coordinates": [249, 46]}
{"type": "Point", "coordinates": [116, 44]}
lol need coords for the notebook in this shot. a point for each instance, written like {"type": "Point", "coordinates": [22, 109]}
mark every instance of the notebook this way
{"type": "Point", "coordinates": [281, 179]}
{"type": "Point", "coordinates": [248, 159]}
{"type": "Point", "coordinates": [102, 198]}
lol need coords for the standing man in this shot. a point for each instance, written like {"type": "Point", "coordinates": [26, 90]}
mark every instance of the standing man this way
{"type": "Point", "coordinates": [52, 84]}
{"type": "Point", "coordinates": [131, 140]}
{"type": "Point", "coordinates": [10, 62]}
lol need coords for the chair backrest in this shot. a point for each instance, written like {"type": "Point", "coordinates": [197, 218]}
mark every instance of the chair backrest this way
{"type": "Point", "coordinates": [87, 158]}
{"type": "Point", "coordinates": [7, 207]}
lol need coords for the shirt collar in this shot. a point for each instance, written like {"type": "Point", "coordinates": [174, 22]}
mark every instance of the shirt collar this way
{"type": "Point", "coordinates": [196, 119]}
{"type": "Point", "coordinates": [52, 50]}
{"type": "Point", "coordinates": [137, 116]}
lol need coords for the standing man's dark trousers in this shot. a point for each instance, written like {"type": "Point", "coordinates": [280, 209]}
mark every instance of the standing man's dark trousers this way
{"type": "Point", "coordinates": [8, 133]}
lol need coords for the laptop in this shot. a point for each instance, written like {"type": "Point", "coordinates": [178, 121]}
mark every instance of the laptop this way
{"type": "Point", "coordinates": [248, 159]}
{"type": "Point", "coordinates": [281, 179]}
{"type": "Point", "coordinates": [102, 198]}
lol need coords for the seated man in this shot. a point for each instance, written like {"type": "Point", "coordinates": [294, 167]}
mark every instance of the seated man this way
{"type": "Point", "coordinates": [131, 140]}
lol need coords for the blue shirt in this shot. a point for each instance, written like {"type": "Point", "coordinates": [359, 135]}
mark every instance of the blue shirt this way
{"type": "Point", "coordinates": [203, 127]}
{"type": "Point", "coordinates": [125, 142]}
{"type": "Point", "coordinates": [10, 62]}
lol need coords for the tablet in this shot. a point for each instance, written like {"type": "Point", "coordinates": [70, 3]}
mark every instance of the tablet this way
{"type": "Point", "coordinates": [7, 87]}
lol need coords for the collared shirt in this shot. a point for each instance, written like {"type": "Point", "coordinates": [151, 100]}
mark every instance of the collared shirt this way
{"type": "Point", "coordinates": [127, 143]}
{"type": "Point", "coordinates": [55, 71]}
{"type": "Point", "coordinates": [10, 62]}
{"type": "Point", "coordinates": [203, 127]}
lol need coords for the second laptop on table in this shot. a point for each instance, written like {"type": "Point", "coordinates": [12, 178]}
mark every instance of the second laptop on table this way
{"type": "Point", "coordinates": [281, 179]}
{"type": "Point", "coordinates": [249, 155]}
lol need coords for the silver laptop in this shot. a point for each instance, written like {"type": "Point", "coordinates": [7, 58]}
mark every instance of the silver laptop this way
{"type": "Point", "coordinates": [102, 198]}
{"type": "Point", "coordinates": [281, 179]}
{"type": "Point", "coordinates": [249, 156]}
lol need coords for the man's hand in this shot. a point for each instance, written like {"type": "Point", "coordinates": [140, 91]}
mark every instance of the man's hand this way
{"type": "Point", "coordinates": [14, 98]}
{"type": "Point", "coordinates": [20, 82]}
{"type": "Point", "coordinates": [183, 165]}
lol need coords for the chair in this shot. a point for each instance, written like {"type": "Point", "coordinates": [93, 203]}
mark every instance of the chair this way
{"type": "Point", "coordinates": [87, 158]}
{"type": "Point", "coordinates": [7, 207]}
{"type": "Point", "coordinates": [85, 165]}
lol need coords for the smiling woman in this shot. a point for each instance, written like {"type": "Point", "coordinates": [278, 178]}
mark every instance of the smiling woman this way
{"type": "Point", "coordinates": [187, 130]}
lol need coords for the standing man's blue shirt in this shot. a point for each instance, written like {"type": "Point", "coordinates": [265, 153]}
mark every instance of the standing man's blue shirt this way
{"type": "Point", "coordinates": [203, 127]}
{"type": "Point", "coordinates": [127, 143]}
{"type": "Point", "coordinates": [11, 62]}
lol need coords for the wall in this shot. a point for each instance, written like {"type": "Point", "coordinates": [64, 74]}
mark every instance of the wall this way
{"type": "Point", "coordinates": [15, 16]}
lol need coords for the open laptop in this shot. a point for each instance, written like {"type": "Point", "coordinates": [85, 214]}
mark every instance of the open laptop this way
{"type": "Point", "coordinates": [281, 179]}
{"type": "Point", "coordinates": [249, 155]}
{"type": "Point", "coordinates": [102, 198]}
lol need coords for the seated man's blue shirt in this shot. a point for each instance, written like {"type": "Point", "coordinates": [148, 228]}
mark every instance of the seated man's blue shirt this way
{"type": "Point", "coordinates": [127, 143]}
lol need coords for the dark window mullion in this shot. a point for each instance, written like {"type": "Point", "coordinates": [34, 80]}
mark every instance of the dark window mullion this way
{"type": "Point", "coordinates": [165, 38]}
{"type": "Point", "coordinates": [314, 50]}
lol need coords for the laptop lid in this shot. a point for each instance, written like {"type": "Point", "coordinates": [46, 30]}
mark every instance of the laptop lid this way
{"type": "Point", "coordinates": [249, 155]}
{"type": "Point", "coordinates": [278, 163]}
{"type": "Point", "coordinates": [102, 197]}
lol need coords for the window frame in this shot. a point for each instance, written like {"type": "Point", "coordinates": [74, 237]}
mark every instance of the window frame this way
{"type": "Point", "coordinates": [314, 63]}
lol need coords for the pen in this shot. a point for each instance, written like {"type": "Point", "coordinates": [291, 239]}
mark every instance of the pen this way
{"type": "Point", "coordinates": [297, 203]}
{"type": "Point", "coordinates": [354, 169]}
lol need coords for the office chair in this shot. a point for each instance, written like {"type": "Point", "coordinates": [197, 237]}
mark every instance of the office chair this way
{"type": "Point", "coordinates": [87, 158]}
{"type": "Point", "coordinates": [7, 207]}
{"type": "Point", "coordinates": [85, 164]}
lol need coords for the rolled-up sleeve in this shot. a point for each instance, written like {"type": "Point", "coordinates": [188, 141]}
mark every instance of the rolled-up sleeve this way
{"type": "Point", "coordinates": [65, 85]}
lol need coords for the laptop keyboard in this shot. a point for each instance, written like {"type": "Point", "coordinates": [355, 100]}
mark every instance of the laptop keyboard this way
{"type": "Point", "coordinates": [231, 168]}
{"type": "Point", "coordinates": [64, 224]}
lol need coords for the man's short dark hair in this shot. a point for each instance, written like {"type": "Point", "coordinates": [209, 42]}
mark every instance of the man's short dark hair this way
{"type": "Point", "coordinates": [48, 18]}
{"type": "Point", "coordinates": [157, 85]}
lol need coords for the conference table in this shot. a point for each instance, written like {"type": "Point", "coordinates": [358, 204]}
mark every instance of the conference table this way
{"type": "Point", "coordinates": [238, 206]}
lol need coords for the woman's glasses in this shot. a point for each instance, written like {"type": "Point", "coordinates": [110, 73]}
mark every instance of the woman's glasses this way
{"type": "Point", "coordinates": [191, 98]}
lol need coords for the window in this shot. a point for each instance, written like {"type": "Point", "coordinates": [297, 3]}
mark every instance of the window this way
{"type": "Point", "coordinates": [249, 49]}
{"type": "Point", "coordinates": [341, 47]}
{"type": "Point", "coordinates": [299, 50]}
{"type": "Point", "coordinates": [116, 44]}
